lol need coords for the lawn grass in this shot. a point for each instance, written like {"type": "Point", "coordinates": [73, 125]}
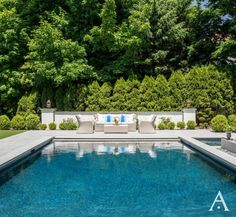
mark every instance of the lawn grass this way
{"type": "Point", "coordinates": [7, 133]}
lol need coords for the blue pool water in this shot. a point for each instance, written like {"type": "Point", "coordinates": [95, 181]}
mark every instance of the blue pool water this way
{"type": "Point", "coordinates": [116, 180]}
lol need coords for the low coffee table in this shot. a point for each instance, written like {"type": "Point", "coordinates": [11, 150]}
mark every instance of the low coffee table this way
{"type": "Point", "coordinates": [113, 128]}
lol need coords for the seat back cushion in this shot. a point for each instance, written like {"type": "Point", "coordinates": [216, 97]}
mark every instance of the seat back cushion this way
{"type": "Point", "coordinates": [123, 118]}
{"type": "Point", "coordinates": [108, 118]}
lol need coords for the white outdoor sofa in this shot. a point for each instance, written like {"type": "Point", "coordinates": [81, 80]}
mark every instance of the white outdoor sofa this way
{"type": "Point", "coordinates": [147, 124]}
{"type": "Point", "coordinates": [106, 121]}
{"type": "Point", "coordinates": [86, 124]}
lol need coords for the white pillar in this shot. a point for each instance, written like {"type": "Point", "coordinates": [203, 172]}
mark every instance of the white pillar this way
{"type": "Point", "coordinates": [47, 115]}
{"type": "Point", "coordinates": [189, 114]}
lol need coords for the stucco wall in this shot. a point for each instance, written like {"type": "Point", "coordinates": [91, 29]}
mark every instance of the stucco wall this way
{"type": "Point", "coordinates": [51, 115]}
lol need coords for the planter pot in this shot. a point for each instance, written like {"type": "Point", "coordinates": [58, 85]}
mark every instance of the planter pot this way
{"type": "Point", "coordinates": [228, 135]}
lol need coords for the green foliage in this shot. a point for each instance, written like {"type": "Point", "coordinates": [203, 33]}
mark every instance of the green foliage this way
{"type": "Point", "coordinates": [42, 126]}
{"type": "Point", "coordinates": [119, 93]}
{"type": "Point", "coordinates": [178, 85]}
{"type": "Point", "coordinates": [191, 125]}
{"type": "Point", "coordinates": [47, 94]}
{"type": "Point", "coordinates": [210, 92]}
{"type": "Point", "coordinates": [60, 48]}
{"type": "Point", "coordinates": [18, 122]}
{"type": "Point", "coordinates": [52, 58]}
{"type": "Point", "coordinates": [4, 122]}
{"type": "Point", "coordinates": [181, 125]}
{"type": "Point", "coordinates": [161, 126]}
{"type": "Point", "coordinates": [52, 126]}
{"type": "Point", "coordinates": [92, 102]}
{"type": "Point", "coordinates": [59, 101]}
{"type": "Point", "coordinates": [171, 125]}
{"type": "Point", "coordinates": [219, 123]}
{"type": "Point", "coordinates": [68, 124]}
{"type": "Point", "coordinates": [28, 104]}
{"type": "Point", "coordinates": [232, 121]}
{"type": "Point", "coordinates": [13, 39]}
{"type": "Point", "coordinates": [32, 121]}
{"type": "Point", "coordinates": [70, 97]}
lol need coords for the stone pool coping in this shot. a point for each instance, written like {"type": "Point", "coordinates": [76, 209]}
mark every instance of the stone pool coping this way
{"type": "Point", "coordinates": [211, 152]}
{"type": "Point", "coordinates": [16, 147]}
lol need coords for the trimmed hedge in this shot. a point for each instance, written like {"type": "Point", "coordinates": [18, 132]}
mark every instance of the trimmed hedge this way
{"type": "Point", "coordinates": [4, 122]}
{"type": "Point", "coordinates": [219, 123]}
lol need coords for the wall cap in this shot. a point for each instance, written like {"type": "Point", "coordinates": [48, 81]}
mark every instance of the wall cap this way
{"type": "Point", "coordinates": [48, 109]}
{"type": "Point", "coordinates": [189, 110]}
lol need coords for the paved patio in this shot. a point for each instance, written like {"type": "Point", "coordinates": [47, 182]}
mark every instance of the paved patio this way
{"type": "Point", "coordinates": [13, 147]}
{"type": "Point", "coordinates": [160, 134]}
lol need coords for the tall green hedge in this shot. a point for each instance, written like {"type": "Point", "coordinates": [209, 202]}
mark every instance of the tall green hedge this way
{"type": "Point", "coordinates": [205, 88]}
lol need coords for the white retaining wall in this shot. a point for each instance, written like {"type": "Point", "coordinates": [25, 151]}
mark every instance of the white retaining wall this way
{"type": "Point", "coordinates": [51, 115]}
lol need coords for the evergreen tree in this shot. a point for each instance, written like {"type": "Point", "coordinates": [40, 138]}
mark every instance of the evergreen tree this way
{"type": "Point", "coordinates": [178, 92]}
{"type": "Point", "coordinates": [94, 95]}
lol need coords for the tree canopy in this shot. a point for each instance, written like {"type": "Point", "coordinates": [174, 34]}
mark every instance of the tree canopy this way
{"type": "Point", "coordinates": [61, 45]}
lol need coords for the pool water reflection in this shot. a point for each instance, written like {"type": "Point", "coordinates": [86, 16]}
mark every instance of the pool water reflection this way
{"type": "Point", "coordinates": [117, 179]}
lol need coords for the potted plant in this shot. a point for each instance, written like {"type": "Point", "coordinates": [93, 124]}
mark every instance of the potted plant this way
{"type": "Point", "coordinates": [228, 131]}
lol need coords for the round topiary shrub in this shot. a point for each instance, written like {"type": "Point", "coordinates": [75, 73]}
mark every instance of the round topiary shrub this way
{"type": "Point", "coordinates": [42, 126]}
{"type": "Point", "coordinates": [52, 126]}
{"type": "Point", "coordinates": [5, 123]}
{"type": "Point", "coordinates": [18, 122]}
{"type": "Point", "coordinates": [232, 122]}
{"type": "Point", "coordinates": [32, 121]}
{"type": "Point", "coordinates": [181, 125]}
{"type": "Point", "coordinates": [62, 126]}
{"type": "Point", "coordinates": [171, 125]}
{"type": "Point", "coordinates": [219, 123]}
{"type": "Point", "coordinates": [191, 125]}
{"type": "Point", "coordinates": [161, 126]}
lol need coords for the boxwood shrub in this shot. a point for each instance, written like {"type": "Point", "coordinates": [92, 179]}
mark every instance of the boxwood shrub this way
{"type": "Point", "coordinates": [171, 125]}
{"type": "Point", "coordinates": [161, 126]}
{"type": "Point", "coordinates": [232, 122]}
{"type": "Point", "coordinates": [219, 123]}
{"type": "Point", "coordinates": [42, 126]}
{"type": "Point", "coordinates": [52, 126]}
{"type": "Point", "coordinates": [18, 122]}
{"type": "Point", "coordinates": [32, 121]}
{"type": "Point", "coordinates": [191, 125]}
{"type": "Point", "coordinates": [181, 125]}
{"type": "Point", "coordinates": [4, 122]}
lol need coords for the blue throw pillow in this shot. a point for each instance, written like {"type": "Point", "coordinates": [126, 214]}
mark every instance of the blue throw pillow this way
{"type": "Point", "coordinates": [108, 118]}
{"type": "Point", "coordinates": [122, 118]}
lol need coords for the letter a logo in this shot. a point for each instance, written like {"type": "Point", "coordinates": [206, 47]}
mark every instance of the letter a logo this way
{"type": "Point", "coordinates": [219, 199]}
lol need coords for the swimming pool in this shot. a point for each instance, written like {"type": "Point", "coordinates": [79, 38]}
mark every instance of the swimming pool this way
{"type": "Point", "coordinates": [116, 179]}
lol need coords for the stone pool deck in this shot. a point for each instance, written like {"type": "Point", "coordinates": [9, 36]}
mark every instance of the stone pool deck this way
{"type": "Point", "coordinates": [14, 147]}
